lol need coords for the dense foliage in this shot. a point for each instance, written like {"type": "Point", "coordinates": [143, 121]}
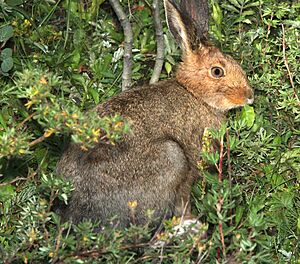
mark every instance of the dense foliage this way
{"type": "Point", "coordinates": [61, 58]}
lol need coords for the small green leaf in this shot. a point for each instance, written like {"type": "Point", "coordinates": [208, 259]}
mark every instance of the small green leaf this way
{"type": "Point", "coordinates": [65, 198]}
{"type": "Point", "coordinates": [248, 115]}
{"type": "Point", "coordinates": [170, 59]}
{"type": "Point", "coordinates": [217, 14]}
{"type": "Point", "coordinates": [295, 24]}
{"type": "Point", "coordinates": [277, 140]}
{"type": "Point", "coordinates": [79, 37]}
{"type": "Point", "coordinates": [238, 214]}
{"type": "Point", "coordinates": [231, 8]}
{"type": "Point", "coordinates": [252, 4]}
{"type": "Point", "coordinates": [6, 53]}
{"type": "Point", "coordinates": [248, 13]}
{"type": "Point", "coordinates": [247, 21]}
{"type": "Point", "coordinates": [6, 33]}
{"type": "Point", "coordinates": [75, 58]}
{"type": "Point", "coordinates": [42, 47]}
{"type": "Point", "coordinates": [6, 192]}
{"type": "Point", "coordinates": [168, 67]}
{"type": "Point", "coordinates": [2, 121]}
{"type": "Point", "coordinates": [235, 3]}
{"type": "Point", "coordinates": [14, 2]}
{"type": "Point", "coordinates": [7, 64]}
{"type": "Point", "coordinates": [95, 95]}
{"type": "Point", "coordinates": [255, 127]}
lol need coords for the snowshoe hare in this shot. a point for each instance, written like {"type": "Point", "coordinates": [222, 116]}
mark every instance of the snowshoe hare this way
{"type": "Point", "coordinates": [156, 164]}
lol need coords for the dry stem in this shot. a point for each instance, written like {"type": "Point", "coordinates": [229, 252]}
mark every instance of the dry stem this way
{"type": "Point", "coordinates": [221, 200]}
{"type": "Point", "coordinates": [287, 64]}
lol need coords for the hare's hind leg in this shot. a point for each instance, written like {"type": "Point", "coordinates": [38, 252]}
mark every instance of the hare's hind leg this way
{"type": "Point", "coordinates": [183, 178]}
{"type": "Point", "coordinates": [183, 197]}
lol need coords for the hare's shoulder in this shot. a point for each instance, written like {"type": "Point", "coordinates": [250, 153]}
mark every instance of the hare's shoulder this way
{"type": "Point", "coordinates": [144, 98]}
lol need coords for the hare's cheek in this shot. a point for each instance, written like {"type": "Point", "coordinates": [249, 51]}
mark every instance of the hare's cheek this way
{"type": "Point", "coordinates": [228, 104]}
{"type": "Point", "coordinates": [238, 101]}
{"type": "Point", "coordinates": [219, 102]}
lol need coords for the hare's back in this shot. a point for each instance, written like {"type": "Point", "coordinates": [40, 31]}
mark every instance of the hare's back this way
{"type": "Point", "coordinates": [162, 97]}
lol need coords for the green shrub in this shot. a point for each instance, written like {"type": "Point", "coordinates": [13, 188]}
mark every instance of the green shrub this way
{"type": "Point", "coordinates": [61, 58]}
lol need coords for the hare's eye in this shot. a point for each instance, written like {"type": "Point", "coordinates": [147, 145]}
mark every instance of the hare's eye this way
{"type": "Point", "coordinates": [217, 72]}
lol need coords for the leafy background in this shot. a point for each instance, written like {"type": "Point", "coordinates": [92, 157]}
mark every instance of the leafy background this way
{"type": "Point", "coordinates": [61, 58]}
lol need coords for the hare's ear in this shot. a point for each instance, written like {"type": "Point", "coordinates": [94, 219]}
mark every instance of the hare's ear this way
{"type": "Point", "coordinates": [176, 25]}
{"type": "Point", "coordinates": [186, 24]}
{"type": "Point", "coordinates": [197, 11]}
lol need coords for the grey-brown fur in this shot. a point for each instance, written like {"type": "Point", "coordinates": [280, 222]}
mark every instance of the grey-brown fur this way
{"type": "Point", "coordinates": [156, 164]}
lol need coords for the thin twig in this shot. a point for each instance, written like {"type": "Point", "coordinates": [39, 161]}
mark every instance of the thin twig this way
{"type": "Point", "coordinates": [25, 120]}
{"type": "Point", "coordinates": [267, 35]}
{"type": "Point", "coordinates": [129, 9]}
{"type": "Point", "coordinates": [222, 236]}
{"type": "Point", "coordinates": [229, 169]}
{"type": "Point", "coordinates": [128, 40]}
{"type": "Point", "coordinates": [57, 245]}
{"type": "Point", "coordinates": [36, 141]}
{"type": "Point", "coordinates": [221, 200]}
{"type": "Point", "coordinates": [68, 23]}
{"type": "Point", "coordinates": [160, 45]}
{"type": "Point", "coordinates": [13, 181]}
{"type": "Point", "coordinates": [220, 168]}
{"type": "Point", "coordinates": [287, 64]}
{"type": "Point", "coordinates": [228, 159]}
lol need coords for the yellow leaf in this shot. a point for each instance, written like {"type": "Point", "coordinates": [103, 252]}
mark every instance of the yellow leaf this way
{"type": "Point", "coordinates": [22, 151]}
{"type": "Point", "coordinates": [75, 116]}
{"type": "Point", "coordinates": [118, 124]}
{"type": "Point", "coordinates": [27, 23]}
{"type": "Point", "coordinates": [32, 235]}
{"type": "Point", "coordinates": [132, 204]}
{"type": "Point", "coordinates": [96, 132]}
{"type": "Point", "coordinates": [49, 132]}
{"type": "Point", "coordinates": [84, 148]}
{"type": "Point", "coordinates": [29, 104]}
{"type": "Point", "coordinates": [43, 80]}
{"type": "Point", "coordinates": [34, 91]}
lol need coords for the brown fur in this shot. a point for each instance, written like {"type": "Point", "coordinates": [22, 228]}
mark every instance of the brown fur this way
{"type": "Point", "coordinates": [194, 73]}
{"type": "Point", "coordinates": [156, 164]}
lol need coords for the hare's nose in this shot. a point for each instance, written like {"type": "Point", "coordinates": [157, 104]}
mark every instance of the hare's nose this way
{"type": "Point", "coordinates": [250, 96]}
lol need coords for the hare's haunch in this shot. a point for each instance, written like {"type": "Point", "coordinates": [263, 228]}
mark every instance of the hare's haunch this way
{"type": "Point", "coordinates": [156, 164]}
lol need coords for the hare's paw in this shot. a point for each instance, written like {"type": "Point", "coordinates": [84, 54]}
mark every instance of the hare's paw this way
{"type": "Point", "coordinates": [189, 226]}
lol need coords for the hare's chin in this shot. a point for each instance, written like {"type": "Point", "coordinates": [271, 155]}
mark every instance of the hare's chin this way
{"type": "Point", "coordinates": [250, 101]}
{"type": "Point", "coordinates": [224, 107]}
{"type": "Point", "coordinates": [228, 106]}
{"type": "Point", "coordinates": [246, 101]}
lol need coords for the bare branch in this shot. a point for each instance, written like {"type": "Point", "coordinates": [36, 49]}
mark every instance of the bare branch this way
{"type": "Point", "coordinates": [159, 43]}
{"type": "Point", "coordinates": [13, 181]}
{"type": "Point", "coordinates": [25, 120]}
{"type": "Point", "coordinates": [128, 40]}
{"type": "Point", "coordinates": [36, 141]}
